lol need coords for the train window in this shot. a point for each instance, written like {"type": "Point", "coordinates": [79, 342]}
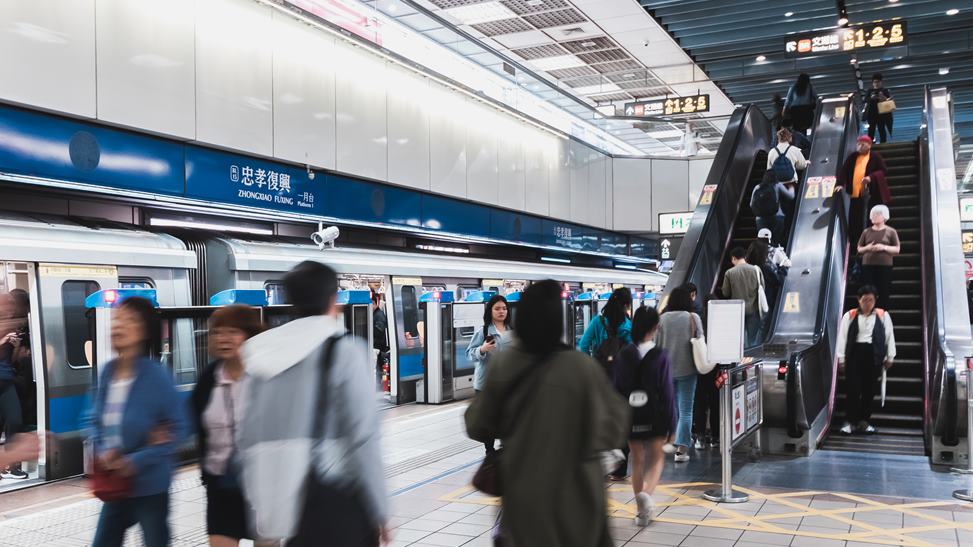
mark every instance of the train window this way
{"type": "Point", "coordinates": [275, 293]}
{"type": "Point", "coordinates": [135, 283]}
{"type": "Point", "coordinates": [410, 310]}
{"type": "Point", "coordinates": [76, 332]}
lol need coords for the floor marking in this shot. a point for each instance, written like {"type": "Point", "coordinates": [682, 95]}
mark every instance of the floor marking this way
{"type": "Point", "coordinates": [687, 495]}
{"type": "Point", "coordinates": [424, 482]}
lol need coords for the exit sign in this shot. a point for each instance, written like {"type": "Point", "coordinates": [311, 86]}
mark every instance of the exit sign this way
{"type": "Point", "coordinates": [675, 223]}
{"type": "Point", "coordinates": [966, 209]}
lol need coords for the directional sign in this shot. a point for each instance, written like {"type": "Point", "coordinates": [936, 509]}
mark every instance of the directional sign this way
{"type": "Point", "coordinates": [850, 39]}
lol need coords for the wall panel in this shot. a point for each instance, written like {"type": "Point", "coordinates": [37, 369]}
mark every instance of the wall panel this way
{"type": "Point", "coordinates": [513, 183]}
{"type": "Point", "coordinates": [408, 115]}
{"type": "Point", "coordinates": [361, 111]}
{"type": "Point", "coordinates": [578, 161]}
{"type": "Point", "coordinates": [698, 171]}
{"type": "Point", "coordinates": [447, 142]}
{"type": "Point", "coordinates": [670, 188]}
{"type": "Point", "coordinates": [632, 194]}
{"type": "Point", "coordinates": [234, 76]}
{"type": "Point", "coordinates": [47, 54]}
{"type": "Point", "coordinates": [482, 149]}
{"type": "Point", "coordinates": [304, 94]}
{"type": "Point", "coordinates": [537, 162]}
{"type": "Point", "coordinates": [560, 180]}
{"type": "Point", "coordinates": [597, 189]}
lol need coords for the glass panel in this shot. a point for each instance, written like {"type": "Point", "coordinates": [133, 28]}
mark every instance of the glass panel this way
{"type": "Point", "coordinates": [77, 334]}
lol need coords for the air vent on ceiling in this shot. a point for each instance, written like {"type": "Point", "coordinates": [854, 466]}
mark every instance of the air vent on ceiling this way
{"type": "Point", "coordinates": [525, 7]}
{"type": "Point", "coordinates": [506, 26]}
{"type": "Point", "coordinates": [539, 52]}
{"type": "Point", "coordinates": [557, 18]}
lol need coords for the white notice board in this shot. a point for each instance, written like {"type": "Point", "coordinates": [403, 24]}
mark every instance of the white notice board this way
{"type": "Point", "coordinates": [724, 331]}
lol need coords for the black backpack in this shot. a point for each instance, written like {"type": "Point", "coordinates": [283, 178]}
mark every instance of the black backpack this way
{"type": "Point", "coordinates": [652, 413]}
{"type": "Point", "coordinates": [783, 167]}
{"type": "Point", "coordinates": [764, 202]}
{"type": "Point", "coordinates": [607, 350]}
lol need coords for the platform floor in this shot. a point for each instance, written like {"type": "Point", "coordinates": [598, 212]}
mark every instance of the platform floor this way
{"type": "Point", "coordinates": [830, 499]}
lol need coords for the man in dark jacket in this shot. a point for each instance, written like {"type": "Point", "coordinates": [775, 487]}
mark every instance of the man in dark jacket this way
{"type": "Point", "coordinates": [863, 177]}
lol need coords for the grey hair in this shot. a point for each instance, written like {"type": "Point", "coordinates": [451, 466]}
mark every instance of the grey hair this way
{"type": "Point", "coordinates": [881, 209]}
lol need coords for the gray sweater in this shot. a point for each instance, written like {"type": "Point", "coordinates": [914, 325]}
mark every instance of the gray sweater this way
{"type": "Point", "coordinates": [673, 337]}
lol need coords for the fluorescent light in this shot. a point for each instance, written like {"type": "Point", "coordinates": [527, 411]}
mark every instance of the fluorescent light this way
{"type": "Point", "coordinates": [475, 14]}
{"type": "Point", "coordinates": [944, 71]}
{"type": "Point", "coordinates": [761, 58]}
{"type": "Point", "coordinates": [596, 89]}
{"type": "Point", "coordinates": [789, 14]}
{"type": "Point", "coordinates": [667, 134]}
{"type": "Point", "coordinates": [625, 267]}
{"type": "Point", "coordinates": [177, 223]}
{"type": "Point", "coordinates": [953, 11]}
{"type": "Point", "coordinates": [440, 249]}
{"type": "Point", "coordinates": [589, 43]}
{"type": "Point", "coordinates": [559, 62]}
{"type": "Point", "coordinates": [554, 259]}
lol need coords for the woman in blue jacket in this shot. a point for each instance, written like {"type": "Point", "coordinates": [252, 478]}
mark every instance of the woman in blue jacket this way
{"type": "Point", "coordinates": [136, 425]}
{"type": "Point", "coordinates": [494, 335]}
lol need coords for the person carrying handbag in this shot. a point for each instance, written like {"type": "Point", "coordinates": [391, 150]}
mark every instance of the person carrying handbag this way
{"type": "Point", "coordinates": [678, 326]}
{"type": "Point", "coordinates": [879, 107]}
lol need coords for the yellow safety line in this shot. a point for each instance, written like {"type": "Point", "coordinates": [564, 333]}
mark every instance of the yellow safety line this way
{"type": "Point", "coordinates": [905, 509]}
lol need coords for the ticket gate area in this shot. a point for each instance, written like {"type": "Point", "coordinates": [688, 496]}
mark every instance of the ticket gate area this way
{"type": "Point", "coordinates": [439, 357]}
{"type": "Point", "coordinates": [357, 311]}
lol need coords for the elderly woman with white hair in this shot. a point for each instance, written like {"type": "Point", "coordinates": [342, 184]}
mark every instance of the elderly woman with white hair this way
{"type": "Point", "coordinates": [877, 245]}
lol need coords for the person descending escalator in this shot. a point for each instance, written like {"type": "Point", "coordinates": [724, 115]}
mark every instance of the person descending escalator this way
{"type": "Point", "coordinates": [878, 245]}
{"type": "Point", "coordinates": [878, 110]}
{"type": "Point", "coordinates": [865, 348]}
{"type": "Point", "coordinates": [800, 102]}
{"type": "Point", "coordinates": [768, 201]}
{"type": "Point", "coordinates": [862, 176]}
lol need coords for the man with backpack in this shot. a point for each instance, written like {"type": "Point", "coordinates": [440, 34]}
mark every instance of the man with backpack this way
{"type": "Point", "coordinates": [865, 348]}
{"type": "Point", "coordinates": [766, 203]}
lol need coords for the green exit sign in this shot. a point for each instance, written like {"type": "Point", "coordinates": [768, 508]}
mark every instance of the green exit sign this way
{"type": "Point", "coordinates": [675, 223]}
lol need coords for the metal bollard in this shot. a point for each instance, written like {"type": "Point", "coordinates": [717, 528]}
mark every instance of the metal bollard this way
{"type": "Point", "coordinates": [967, 493]}
{"type": "Point", "coordinates": [726, 494]}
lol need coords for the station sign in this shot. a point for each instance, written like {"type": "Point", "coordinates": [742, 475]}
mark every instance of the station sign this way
{"type": "Point", "coordinates": [675, 223]}
{"type": "Point", "coordinates": [861, 37]}
{"type": "Point", "coordinates": [669, 106]}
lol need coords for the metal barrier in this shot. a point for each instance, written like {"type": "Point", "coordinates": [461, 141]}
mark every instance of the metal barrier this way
{"type": "Point", "coordinates": [967, 493]}
{"type": "Point", "coordinates": [741, 407]}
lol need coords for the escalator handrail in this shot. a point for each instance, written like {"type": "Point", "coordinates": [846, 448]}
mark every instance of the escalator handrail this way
{"type": "Point", "coordinates": [740, 121]}
{"type": "Point", "coordinates": [946, 327]}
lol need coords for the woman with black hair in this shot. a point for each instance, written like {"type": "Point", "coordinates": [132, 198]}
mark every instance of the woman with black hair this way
{"type": "Point", "coordinates": [612, 325]}
{"type": "Point", "coordinates": [882, 121]}
{"type": "Point", "coordinates": [488, 340]}
{"type": "Point", "coordinates": [643, 376]}
{"type": "Point", "coordinates": [555, 412]}
{"type": "Point", "coordinates": [136, 424]}
{"type": "Point", "coordinates": [677, 326]}
{"type": "Point", "coordinates": [800, 103]}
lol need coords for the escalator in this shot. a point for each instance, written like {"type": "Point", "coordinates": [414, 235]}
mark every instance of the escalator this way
{"type": "Point", "coordinates": [899, 422]}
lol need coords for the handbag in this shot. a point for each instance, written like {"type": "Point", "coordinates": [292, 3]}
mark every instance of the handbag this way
{"type": "Point", "coordinates": [762, 303]}
{"type": "Point", "coordinates": [487, 476]}
{"type": "Point", "coordinates": [886, 107]}
{"type": "Point", "coordinates": [108, 485]}
{"type": "Point", "coordinates": [700, 352]}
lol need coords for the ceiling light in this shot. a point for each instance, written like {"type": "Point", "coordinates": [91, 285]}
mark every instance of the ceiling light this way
{"type": "Point", "coordinates": [944, 71]}
{"type": "Point", "coordinates": [761, 58]}
{"type": "Point", "coordinates": [441, 249]}
{"type": "Point", "coordinates": [626, 267]}
{"type": "Point", "coordinates": [475, 14]}
{"type": "Point", "coordinates": [789, 14]}
{"type": "Point", "coordinates": [555, 259]}
{"type": "Point", "coordinates": [179, 223]}
{"type": "Point", "coordinates": [894, 1]}
{"type": "Point", "coordinates": [953, 11]}
{"type": "Point", "coordinates": [559, 62]}
{"type": "Point", "coordinates": [535, 2]}
{"type": "Point", "coordinates": [842, 13]}
{"type": "Point", "coordinates": [630, 75]}
{"type": "Point", "coordinates": [842, 21]}
{"type": "Point", "coordinates": [589, 43]}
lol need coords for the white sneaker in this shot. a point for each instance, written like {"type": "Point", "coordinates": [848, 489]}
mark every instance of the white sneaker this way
{"type": "Point", "coordinates": [646, 509]}
{"type": "Point", "coordinates": [869, 429]}
{"type": "Point", "coordinates": [681, 457]}
{"type": "Point", "coordinates": [669, 448]}
{"type": "Point", "coordinates": [700, 445]}
{"type": "Point", "coordinates": [846, 429]}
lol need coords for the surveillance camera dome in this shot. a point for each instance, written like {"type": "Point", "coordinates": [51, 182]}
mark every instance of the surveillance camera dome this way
{"type": "Point", "coordinates": [325, 236]}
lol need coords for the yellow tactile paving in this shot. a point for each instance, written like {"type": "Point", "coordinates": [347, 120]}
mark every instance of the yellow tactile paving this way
{"type": "Point", "coordinates": [860, 531]}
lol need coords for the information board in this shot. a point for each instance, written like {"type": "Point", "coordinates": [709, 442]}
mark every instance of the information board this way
{"type": "Point", "coordinates": [738, 413]}
{"type": "Point", "coordinates": [849, 39]}
{"type": "Point", "coordinates": [724, 330]}
{"type": "Point", "coordinates": [669, 106]}
{"type": "Point", "coordinates": [753, 402]}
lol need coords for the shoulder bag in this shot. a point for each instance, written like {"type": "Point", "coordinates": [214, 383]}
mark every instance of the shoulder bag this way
{"type": "Point", "coordinates": [763, 305]}
{"type": "Point", "coordinates": [886, 107]}
{"type": "Point", "coordinates": [700, 352]}
{"type": "Point", "coordinates": [487, 476]}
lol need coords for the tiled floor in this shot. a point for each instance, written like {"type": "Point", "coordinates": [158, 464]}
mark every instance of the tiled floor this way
{"type": "Point", "coordinates": [429, 463]}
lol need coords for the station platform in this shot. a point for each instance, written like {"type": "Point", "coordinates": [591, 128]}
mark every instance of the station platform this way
{"type": "Point", "coordinates": [829, 499]}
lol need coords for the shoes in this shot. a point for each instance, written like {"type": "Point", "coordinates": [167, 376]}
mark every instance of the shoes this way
{"type": "Point", "coordinates": [681, 457]}
{"type": "Point", "coordinates": [646, 509]}
{"type": "Point", "coordinates": [715, 443]}
{"type": "Point", "coordinates": [846, 429]}
{"type": "Point", "coordinates": [669, 448]}
{"type": "Point", "coordinates": [700, 445]}
{"type": "Point", "coordinates": [616, 477]}
{"type": "Point", "coordinates": [13, 473]}
{"type": "Point", "coordinates": [866, 427]}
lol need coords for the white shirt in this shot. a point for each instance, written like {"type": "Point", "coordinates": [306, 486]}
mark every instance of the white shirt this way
{"type": "Point", "coordinates": [866, 325]}
{"type": "Point", "coordinates": [645, 348]}
{"type": "Point", "coordinates": [114, 411]}
{"type": "Point", "coordinates": [793, 153]}
{"type": "Point", "coordinates": [221, 419]}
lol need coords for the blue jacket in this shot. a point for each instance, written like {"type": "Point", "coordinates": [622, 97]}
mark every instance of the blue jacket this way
{"type": "Point", "coordinates": [153, 400]}
{"type": "Point", "coordinates": [480, 360]}
{"type": "Point", "coordinates": [596, 333]}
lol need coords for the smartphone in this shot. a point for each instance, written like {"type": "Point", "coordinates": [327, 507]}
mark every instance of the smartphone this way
{"type": "Point", "coordinates": [489, 339]}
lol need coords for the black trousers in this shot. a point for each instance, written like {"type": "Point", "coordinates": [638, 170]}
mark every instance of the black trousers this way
{"type": "Point", "coordinates": [861, 375]}
{"type": "Point", "coordinates": [883, 122]}
{"type": "Point", "coordinates": [10, 410]}
{"type": "Point", "coordinates": [881, 277]}
{"type": "Point", "coordinates": [490, 445]}
{"type": "Point", "coordinates": [707, 398]}
{"type": "Point", "coordinates": [802, 116]}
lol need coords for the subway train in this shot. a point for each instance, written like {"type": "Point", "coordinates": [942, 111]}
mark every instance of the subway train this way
{"type": "Point", "coordinates": [59, 262]}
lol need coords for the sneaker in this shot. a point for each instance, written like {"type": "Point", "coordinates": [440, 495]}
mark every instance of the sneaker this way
{"type": "Point", "coordinates": [715, 443]}
{"type": "Point", "coordinates": [700, 445]}
{"type": "Point", "coordinates": [681, 457]}
{"type": "Point", "coordinates": [646, 509]}
{"type": "Point", "coordinates": [868, 429]}
{"type": "Point", "coordinates": [846, 429]}
{"type": "Point", "coordinates": [669, 448]}
{"type": "Point", "coordinates": [13, 473]}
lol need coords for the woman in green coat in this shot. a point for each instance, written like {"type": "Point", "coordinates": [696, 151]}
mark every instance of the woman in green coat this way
{"type": "Point", "coordinates": [555, 411]}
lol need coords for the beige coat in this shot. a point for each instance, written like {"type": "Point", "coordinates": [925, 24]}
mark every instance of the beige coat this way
{"type": "Point", "coordinates": [551, 473]}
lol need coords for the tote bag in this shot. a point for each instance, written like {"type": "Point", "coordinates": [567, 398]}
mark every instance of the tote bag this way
{"type": "Point", "coordinates": [700, 352]}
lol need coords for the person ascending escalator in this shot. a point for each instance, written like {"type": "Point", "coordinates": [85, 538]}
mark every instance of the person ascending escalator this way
{"type": "Point", "coordinates": [767, 202]}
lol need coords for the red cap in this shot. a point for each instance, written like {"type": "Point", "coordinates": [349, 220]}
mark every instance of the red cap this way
{"type": "Point", "coordinates": [865, 138]}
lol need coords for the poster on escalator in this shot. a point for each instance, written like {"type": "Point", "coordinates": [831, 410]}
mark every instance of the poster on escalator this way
{"type": "Point", "coordinates": [738, 413]}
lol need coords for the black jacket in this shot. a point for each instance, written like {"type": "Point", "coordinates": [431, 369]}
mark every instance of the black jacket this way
{"type": "Point", "coordinates": [198, 402]}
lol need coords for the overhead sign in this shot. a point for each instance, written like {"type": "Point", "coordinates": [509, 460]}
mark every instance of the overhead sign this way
{"type": "Point", "coordinates": [666, 245]}
{"type": "Point", "coordinates": [669, 106]}
{"type": "Point", "coordinates": [675, 223]}
{"type": "Point", "coordinates": [849, 39]}
{"type": "Point", "coordinates": [966, 209]}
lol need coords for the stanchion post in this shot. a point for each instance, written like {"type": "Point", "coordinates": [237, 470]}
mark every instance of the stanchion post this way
{"type": "Point", "coordinates": [725, 493]}
{"type": "Point", "coordinates": [966, 494]}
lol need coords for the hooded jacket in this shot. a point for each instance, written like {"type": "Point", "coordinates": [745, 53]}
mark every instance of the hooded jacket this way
{"type": "Point", "coordinates": [277, 448]}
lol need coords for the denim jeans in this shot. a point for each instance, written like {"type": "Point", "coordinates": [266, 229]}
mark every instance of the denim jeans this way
{"type": "Point", "coordinates": [685, 388]}
{"type": "Point", "coordinates": [151, 513]}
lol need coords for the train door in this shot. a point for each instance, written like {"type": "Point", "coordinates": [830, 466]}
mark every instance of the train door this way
{"type": "Point", "coordinates": [408, 333]}
{"type": "Point", "coordinates": [66, 366]}
{"type": "Point", "coordinates": [467, 319]}
{"type": "Point", "coordinates": [436, 386]}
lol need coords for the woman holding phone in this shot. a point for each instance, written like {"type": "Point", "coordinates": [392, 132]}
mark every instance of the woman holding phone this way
{"type": "Point", "coordinates": [493, 336]}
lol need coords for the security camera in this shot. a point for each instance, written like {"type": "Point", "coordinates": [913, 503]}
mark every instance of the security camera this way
{"type": "Point", "coordinates": [645, 43]}
{"type": "Point", "coordinates": [325, 236]}
{"type": "Point", "coordinates": [310, 172]}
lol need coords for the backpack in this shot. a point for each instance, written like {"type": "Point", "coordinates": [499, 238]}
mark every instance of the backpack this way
{"type": "Point", "coordinates": [646, 404]}
{"type": "Point", "coordinates": [783, 167]}
{"type": "Point", "coordinates": [764, 202]}
{"type": "Point", "coordinates": [607, 350]}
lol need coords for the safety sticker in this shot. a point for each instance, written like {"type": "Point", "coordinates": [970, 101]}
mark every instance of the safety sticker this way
{"type": "Point", "coordinates": [814, 180]}
{"type": "Point", "coordinates": [812, 191]}
{"type": "Point", "coordinates": [707, 196]}
{"type": "Point", "coordinates": [827, 186]}
{"type": "Point", "coordinates": [792, 303]}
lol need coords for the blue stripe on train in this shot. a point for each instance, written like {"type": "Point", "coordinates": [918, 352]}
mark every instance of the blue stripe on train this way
{"type": "Point", "coordinates": [66, 413]}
